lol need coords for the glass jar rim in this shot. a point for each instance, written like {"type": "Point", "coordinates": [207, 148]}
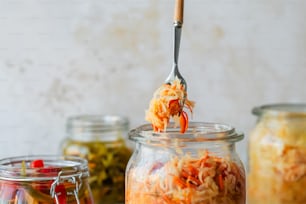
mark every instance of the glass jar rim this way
{"type": "Point", "coordinates": [96, 123]}
{"type": "Point", "coordinates": [196, 132]}
{"type": "Point", "coordinates": [55, 165]}
{"type": "Point", "coordinates": [281, 109]}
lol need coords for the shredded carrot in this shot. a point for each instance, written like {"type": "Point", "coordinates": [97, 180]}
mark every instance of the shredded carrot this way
{"type": "Point", "coordinates": [179, 182]}
{"type": "Point", "coordinates": [190, 178]}
{"type": "Point", "coordinates": [220, 181]}
{"type": "Point", "coordinates": [166, 199]}
{"type": "Point", "coordinates": [194, 171]}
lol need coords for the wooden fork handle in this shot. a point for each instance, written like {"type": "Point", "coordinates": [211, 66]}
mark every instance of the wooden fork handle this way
{"type": "Point", "coordinates": [179, 12]}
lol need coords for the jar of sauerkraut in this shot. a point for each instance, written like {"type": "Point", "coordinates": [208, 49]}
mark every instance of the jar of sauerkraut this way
{"type": "Point", "coordinates": [101, 139]}
{"type": "Point", "coordinates": [198, 166]}
{"type": "Point", "coordinates": [44, 180]}
{"type": "Point", "coordinates": [277, 155]}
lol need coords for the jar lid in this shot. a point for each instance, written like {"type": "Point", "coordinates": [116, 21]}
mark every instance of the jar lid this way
{"type": "Point", "coordinates": [19, 168]}
{"type": "Point", "coordinates": [196, 132]}
{"type": "Point", "coordinates": [284, 109]}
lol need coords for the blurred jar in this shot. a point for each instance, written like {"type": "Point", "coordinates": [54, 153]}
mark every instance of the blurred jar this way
{"type": "Point", "coordinates": [45, 180]}
{"type": "Point", "coordinates": [102, 141]}
{"type": "Point", "coordinates": [277, 155]}
{"type": "Point", "coordinates": [199, 166]}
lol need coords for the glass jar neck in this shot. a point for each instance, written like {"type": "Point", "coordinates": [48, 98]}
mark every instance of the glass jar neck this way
{"type": "Point", "coordinates": [281, 111]}
{"type": "Point", "coordinates": [198, 135]}
{"type": "Point", "coordinates": [216, 148]}
{"type": "Point", "coordinates": [283, 124]}
{"type": "Point", "coordinates": [97, 127]}
{"type": "Point", "coordinates": [65, 167]}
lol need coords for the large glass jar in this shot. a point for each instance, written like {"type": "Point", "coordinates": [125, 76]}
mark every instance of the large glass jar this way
{"type": "Point", "coordinates": [101, 140]}
{"type": "Point", "coordinates": [44, 180]}
{"type": "Point", "coordinates": [199, 166]}
{"type": "Point", "coordinates": [277, 155]}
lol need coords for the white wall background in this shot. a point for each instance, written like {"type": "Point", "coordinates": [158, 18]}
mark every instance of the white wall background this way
{"type": "Point", "coordinates": [64, 57]}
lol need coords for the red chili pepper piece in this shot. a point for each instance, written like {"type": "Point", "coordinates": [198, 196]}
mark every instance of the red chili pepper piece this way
{"type": "Point", "coordinates": [50, 171]}
{"type": "Point", "coordinates": [174, 107]}
{"type": "Point", "coordinates": [61, 193]}
{"type": "Point", "coordinates": [183, 121]}
{"type": "Point", "coordinates": [37, 163]}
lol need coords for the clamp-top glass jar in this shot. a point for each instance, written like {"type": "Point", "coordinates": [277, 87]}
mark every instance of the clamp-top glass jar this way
{"type": "Point", "coordinates": [199, 166]}
{"type": "Point", "coordinates": [102, 141]}
{"type": "Point", "coordinates": [44, 180]}
{"type": "Point", "coordinates": [277, 155]}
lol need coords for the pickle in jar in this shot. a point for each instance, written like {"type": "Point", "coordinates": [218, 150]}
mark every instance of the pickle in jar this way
{"type": "Point", "coordinates": [107, 162]}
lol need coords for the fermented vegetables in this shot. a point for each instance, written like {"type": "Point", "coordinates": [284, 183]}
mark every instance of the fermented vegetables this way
{"type": "Point", "coordinates": [44, 181]}
{"type": "Point", "coordinates": [277, 155]}
{"type": "Point", "coordinates": [169, 101]}
{"type": "Point", "coordinates": [100, 139]}
{"type": "Point", "coordinates": [197, 167]}
{"type": "Point", "coordinates": [107, 162]}
{"type": "Point", "coordinates": [205, 179]}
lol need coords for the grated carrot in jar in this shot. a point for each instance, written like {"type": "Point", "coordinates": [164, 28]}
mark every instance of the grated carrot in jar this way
{"type": "Point", "coordinates": [166, 104]}
{"type": "Point", "coordinates": [206, 179]}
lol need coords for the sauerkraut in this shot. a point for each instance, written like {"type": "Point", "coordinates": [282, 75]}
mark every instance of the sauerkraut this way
{"type": "Point", "coordinates": [168, 101]}
{"type": "Point", "coordinates": [277, 168]}
{"type": "Point", "coordinates": [205, 179]}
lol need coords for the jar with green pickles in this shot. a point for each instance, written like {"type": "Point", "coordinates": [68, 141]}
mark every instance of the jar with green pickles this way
{"type": "Point", "coordinates": [101, 140]}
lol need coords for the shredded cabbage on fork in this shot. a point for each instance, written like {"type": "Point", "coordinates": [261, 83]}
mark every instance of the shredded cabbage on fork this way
{"type": "Point", "coordinates": [168, 102]}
